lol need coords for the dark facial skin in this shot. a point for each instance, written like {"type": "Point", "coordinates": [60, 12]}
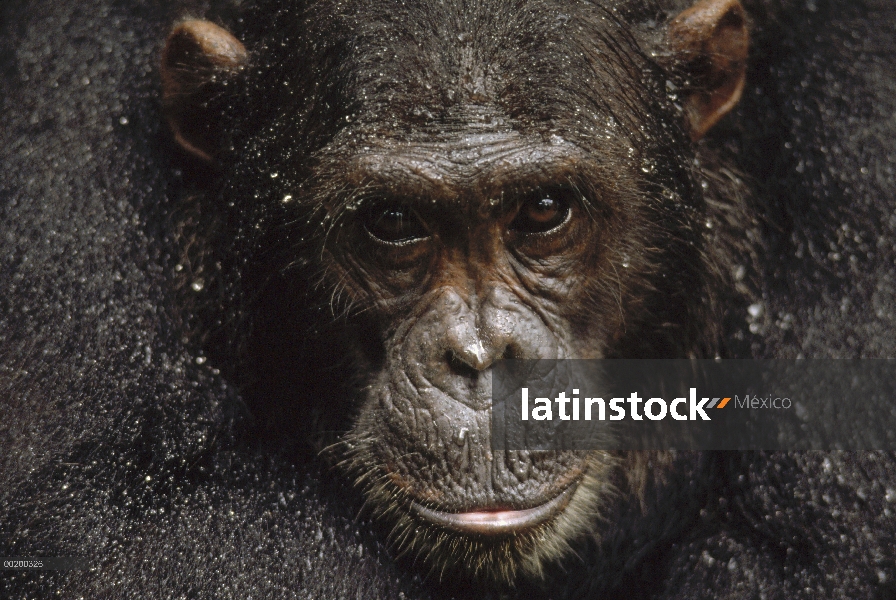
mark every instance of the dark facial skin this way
{"type": "Point", "coordinates": [458, 185]}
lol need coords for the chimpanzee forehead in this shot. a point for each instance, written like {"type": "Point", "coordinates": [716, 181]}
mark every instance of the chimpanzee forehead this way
{"type": "Point", "coordinates": [476, 167]}
{"type": "Point", "coordinates": [429, 64]}
{"type": "Point", "coordinates": [348, 78]}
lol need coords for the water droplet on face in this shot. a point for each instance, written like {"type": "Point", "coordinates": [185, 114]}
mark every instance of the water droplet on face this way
{"type": "Point", "coordinates": [123, 120]}
{"type": "Point", "coordinates": [287, 198]}
{"type": "Point", "coordinates": [754, 310]}
{"type": "Point", "coordinates": [200, 360]}
{"type": "Point", "coordinates": [197, 285]}
{"type": "Point", "coordinates": [275, 175]}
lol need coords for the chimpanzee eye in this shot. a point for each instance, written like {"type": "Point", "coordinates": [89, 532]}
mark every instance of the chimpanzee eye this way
{"type": "Point", "coordinates": [393, 223]}
{"type": "Point", "coordinates": [543, 211]}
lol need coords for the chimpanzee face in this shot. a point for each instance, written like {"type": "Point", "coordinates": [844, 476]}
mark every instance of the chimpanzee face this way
{"type": "Point", "coordinates": [478, 183]}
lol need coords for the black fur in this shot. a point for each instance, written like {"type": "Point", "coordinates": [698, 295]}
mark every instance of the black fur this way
{"type": "Point", "coordinates": [120, 441]}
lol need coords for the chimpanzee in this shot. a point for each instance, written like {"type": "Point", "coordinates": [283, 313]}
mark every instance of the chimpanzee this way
{"type": "Point", "coordinates": [252, 359]}
{"type": "Point", "coordinates": [466, 183]}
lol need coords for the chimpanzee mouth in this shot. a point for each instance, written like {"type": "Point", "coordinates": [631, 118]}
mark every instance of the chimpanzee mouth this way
{"type": "Point", "coordinates": [497, 522]}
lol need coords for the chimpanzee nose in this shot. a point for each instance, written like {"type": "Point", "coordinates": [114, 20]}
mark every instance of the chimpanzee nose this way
{"type": "Point", "coordinates": [473, 335]}
{"type": "Point", "coordinates": [453, 346]}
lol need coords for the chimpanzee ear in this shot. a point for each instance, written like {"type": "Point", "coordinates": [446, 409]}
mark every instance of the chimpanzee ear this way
{"type": "Point", "coordinates": [710, 43]}
{"type": "Point", "coordinates": [197, 55]}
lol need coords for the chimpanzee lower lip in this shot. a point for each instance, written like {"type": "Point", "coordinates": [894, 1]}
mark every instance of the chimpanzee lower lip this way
{"type": "Point", "coordinates": [497, 522]}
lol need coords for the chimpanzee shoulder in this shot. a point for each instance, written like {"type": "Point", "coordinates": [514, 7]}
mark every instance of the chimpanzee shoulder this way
{"type": "Point", "coordinates": [816, 150]}
{"type": "Point", "coordinates": [120, 443]}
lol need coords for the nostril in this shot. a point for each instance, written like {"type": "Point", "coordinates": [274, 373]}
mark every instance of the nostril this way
{"type": "Point", "coordinates": [511, 352]}
{"type": "Point", "coordinates": [461, 366]}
